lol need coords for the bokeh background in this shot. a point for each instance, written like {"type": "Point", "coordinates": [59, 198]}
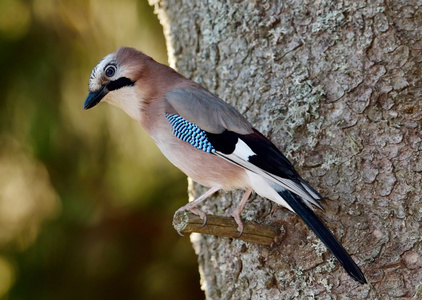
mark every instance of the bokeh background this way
{"type": "Point", "coordinates": [86, 198]}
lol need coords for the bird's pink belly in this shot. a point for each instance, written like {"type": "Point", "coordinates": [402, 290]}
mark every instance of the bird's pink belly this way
{"type": "Point", "coordinates": [205, 168]}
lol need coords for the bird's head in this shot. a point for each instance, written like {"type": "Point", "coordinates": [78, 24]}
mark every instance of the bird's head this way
{"type": "Point", "coordinates": [114, 78]}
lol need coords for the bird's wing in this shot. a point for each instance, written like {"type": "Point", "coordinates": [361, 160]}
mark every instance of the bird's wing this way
{"type": "Point", "coordinates": [214, 126]}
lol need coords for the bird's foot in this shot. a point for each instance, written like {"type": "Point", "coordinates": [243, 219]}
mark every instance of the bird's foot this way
{"type": "Point", "coordinates": [191, 206]}
{"type": "Point", "coordinates": [236, 213]}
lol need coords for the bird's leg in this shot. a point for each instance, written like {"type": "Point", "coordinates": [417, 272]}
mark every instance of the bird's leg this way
{"type": "Point", "coordinates": [191, 206]}
{"type": "Point", "coordinates": [236, 213]}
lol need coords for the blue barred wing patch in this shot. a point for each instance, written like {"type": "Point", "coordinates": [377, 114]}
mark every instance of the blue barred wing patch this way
{"type": "Point", "coordinates": [190, 133]}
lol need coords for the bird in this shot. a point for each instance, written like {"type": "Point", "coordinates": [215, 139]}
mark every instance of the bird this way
{"type": "Point", "coordinates": [208, 140]}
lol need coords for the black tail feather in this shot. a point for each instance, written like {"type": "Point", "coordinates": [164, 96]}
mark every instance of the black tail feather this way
{"type": "Point", "coordinates": [321, 231]}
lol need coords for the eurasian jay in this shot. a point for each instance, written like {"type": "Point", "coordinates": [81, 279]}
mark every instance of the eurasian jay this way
{"type": "Point", "coordinates": [207, 139]}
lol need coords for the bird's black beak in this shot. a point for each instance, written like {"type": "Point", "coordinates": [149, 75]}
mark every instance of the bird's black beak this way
{"type": "Point", "coordinates": [95, 97]}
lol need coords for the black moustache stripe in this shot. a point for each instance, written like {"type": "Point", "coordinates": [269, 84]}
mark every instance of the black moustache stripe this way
{"type": "Point", "coordinates": [119, 83]}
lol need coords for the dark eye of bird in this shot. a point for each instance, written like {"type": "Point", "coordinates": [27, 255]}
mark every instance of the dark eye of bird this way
{"type": "Point", "coordinates": [110, 71]}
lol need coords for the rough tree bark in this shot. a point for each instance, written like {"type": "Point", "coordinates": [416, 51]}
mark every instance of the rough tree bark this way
{"type": "Point", "coordinates": [337, 86]}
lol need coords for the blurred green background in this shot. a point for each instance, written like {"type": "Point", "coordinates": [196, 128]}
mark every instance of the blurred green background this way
{"type": "Point", "coordinates": [86, 198]}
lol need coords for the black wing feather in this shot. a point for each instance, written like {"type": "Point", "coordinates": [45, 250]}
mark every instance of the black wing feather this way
{"type": "Point", "coordinates": [224, 142]}
{"type": "Point", "coordinates": [268, 157]}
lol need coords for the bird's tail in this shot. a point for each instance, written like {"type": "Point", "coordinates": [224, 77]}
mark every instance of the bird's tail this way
{"type": "Point", "coordinates": [314, 223]}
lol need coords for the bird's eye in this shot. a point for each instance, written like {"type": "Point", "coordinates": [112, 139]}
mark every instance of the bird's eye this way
{"type": "Point", "coordinates": [110, 71]}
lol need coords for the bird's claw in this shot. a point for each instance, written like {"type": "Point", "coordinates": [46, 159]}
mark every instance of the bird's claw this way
{"type": "Point", "coordinates": [236, 217]}
{"type": "Point", "coordinates": [201, 214]}
{"type": "Point", "coordinates": [195, 211]}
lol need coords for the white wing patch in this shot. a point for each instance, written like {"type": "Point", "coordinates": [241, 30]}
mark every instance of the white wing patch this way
{"type": "Point", "coordinates": [242, 150]}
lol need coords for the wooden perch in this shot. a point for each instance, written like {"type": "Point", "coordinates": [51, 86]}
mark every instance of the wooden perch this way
{"type": "Point", "coordinates": [186, 222]}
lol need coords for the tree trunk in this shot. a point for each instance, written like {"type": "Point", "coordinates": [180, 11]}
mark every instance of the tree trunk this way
{"type": "Point", "coordinates": [337, 86]}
